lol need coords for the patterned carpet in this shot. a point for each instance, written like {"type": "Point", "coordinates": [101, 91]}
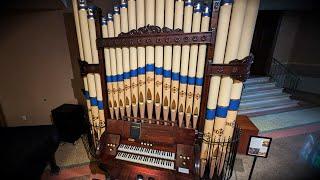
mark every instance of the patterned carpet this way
{"type": "Point", "coordinates": [71, 155]}
{"type": "Point", "coordinates": [75, 163]}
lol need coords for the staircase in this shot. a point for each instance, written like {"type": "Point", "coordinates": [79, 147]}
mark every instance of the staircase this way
{"type": "Point", "coordinates": [260, 96]}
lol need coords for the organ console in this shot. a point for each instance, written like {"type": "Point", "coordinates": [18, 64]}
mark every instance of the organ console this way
{"type": "Point", "coordinates": [165, 84]}
{"type": "Point", "coordinates": [159, 152]}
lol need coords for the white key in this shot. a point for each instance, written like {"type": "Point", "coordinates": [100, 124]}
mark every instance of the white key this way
{"type": "Point", "coordinates": [145, 160]}
{"type": "Point", "coordinates": [146, 152]}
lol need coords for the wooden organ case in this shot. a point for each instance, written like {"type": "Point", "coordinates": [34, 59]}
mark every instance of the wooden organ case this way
{"type": "Point", "coordinates": [157, 148]}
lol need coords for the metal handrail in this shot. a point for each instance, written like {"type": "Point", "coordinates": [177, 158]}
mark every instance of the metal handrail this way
{"type": "Point", "coordinates": [283, 76]}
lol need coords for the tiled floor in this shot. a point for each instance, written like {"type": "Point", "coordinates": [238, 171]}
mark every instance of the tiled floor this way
{"type": "Point", "coordinates": [283, 163]}
{"type": "Point", "coordinates": [285, 120]}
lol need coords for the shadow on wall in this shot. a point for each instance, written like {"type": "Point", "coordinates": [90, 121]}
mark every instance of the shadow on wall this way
{"type": "Point", "coordinates": [76, 82]}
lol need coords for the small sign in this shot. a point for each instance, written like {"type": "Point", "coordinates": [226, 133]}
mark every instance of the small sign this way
{"type": "Point", "coordinates": [259, 146]}
{"type": "Point", "coordinates": [183, 170]}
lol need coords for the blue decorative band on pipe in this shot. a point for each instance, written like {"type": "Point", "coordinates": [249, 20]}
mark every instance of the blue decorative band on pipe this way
{"type": "Point", "coordinates": [175, 76]}
{"type": "Point", "coordinates": [114, 78]}
{"type": "Point", "coordinates": [150, 67]}
{"type": "Point", "coordinates": [197, 8]}
{"type": "Point", "coordinates": [222, 111]}
{"type": "Point", "coordinates": [134, 73]}
{"type": "Point", "coordinates": [104, 20]}
{"type": "Point", "coordinates": [206, 11]}
{"type": "Point", "coordinates": [86, 94]}
{"type": "Point", "coordinates": [158, 70]}
{"type": "Point", "coordinates": [126, 75]}
{"type": "Point", "coordinates": [191, 80]}
{"type": "Point", "coordinates": [93, 101]}
{"type": "Point", "coordinates": [167, 73]}
{"type": "Point", "coordinates": [123, 5]}
{"type": "Point", "coordinates": [108, 78]}
{"type": "Point", "coordinates": [116, 10]}
{"type": "Point", "coordinates": [210, 114]}
{"type": "Point", "coordinates": [183, 79]}
{"type": "Point", "coordinates": [227, 2]}
{"type": "Point", "coordinates": [109, 17]}
{"type": "Point", "coordinates": [82, 4]}
{"type": "Point", "coordinates": [141, 70]}
{"type": "Point", "coordinates": [188, 3]}
{"type": "Point", "coordinates": [234, 104]}
{"type": "Point", "coordinates": [199, 81]}
{"type": "Point", "coordinates": [120, 77]}
{"type": "Point", "coordinates": [100, 105]}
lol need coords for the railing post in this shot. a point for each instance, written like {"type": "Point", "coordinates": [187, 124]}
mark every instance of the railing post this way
{"type": "Point", "coordinates": [283, 76]}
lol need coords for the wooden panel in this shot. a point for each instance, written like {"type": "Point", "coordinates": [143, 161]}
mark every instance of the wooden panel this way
{"type": "Point", "coordinates": [153, 132]}
{"type": "Point", "coordinates": [156, 133]}
{"type": "Point", "coordinates": [247, 129]}
{"type": "Point", "coordinates": [185, 157]}
{"type": "Point", "coordinates": [114, 126]}
{"type": "Point", "coordinates": [185, 136]}
{"type": "Point", "coordinates": [110, 144]}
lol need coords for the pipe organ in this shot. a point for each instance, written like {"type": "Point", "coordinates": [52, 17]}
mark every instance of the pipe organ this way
{"type": "Point", "coordinates": [163, 81]}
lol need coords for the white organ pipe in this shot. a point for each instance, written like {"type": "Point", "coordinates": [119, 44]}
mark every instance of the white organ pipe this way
{"type": "Point", "coordinates": [196, 23]}
{"type": "Point", "coordinates": [176, 55]}
{"type": "Point", "coordinates": [113, 65]}
{"type": "Point", "coordinates": [218, 57]}
{"type": "Point", "coordinates": [234, 35]}
{"type": "Point", "coordinates": [84, 31]}
{"type": "Point", "coordinates": [126, 57]}
{"type": "Point", "coordinates": [244, 51]}
{"type": "Point", "coordinates": [187, 25]}
{"type": "Point", "coordinates": [117, 31]}
{"type": "Point", "coordinates": [85, 35]}
{"type": "Point", "coordinates": [200, 67]}
{"type": "Point", "coordinates": [109, 77]}
{"type": "Point", "coordinates": [150, 18]}
{"type": "Point", "coordinates": [95, 60]}
{"type": "Point", "coordinates": [133, 59]}
{"type": "Point", "coordinates": [77, 23]}
{"type": "Point", "coordinates": [159, 60]}
{"type": "Point", "coordinates": [168, 20]}
{"type": "Point", "coordinates": [85, 81]}
{"type": "Point", "coordinates": [141, 59]}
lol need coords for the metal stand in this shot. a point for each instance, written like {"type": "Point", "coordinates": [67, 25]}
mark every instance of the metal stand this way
{"type": "Point", "coordinates": [252, 167]}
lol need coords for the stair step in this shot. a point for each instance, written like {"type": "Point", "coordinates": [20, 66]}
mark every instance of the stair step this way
{"type": "Point", "coordinates": [267, 104]}
{"type": "Point", "coordinates": [269, 110]}
{"type": "Point", "coordinates": [263, 98]}
{"type": "Point", "coordinates": [262, 93]}
{"type": "Point", "coordinates": [267, 101]}
{"type": "Point", "coordinates": [257, 80]}
{"type": "Point", "coordinates": [256, 87]}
